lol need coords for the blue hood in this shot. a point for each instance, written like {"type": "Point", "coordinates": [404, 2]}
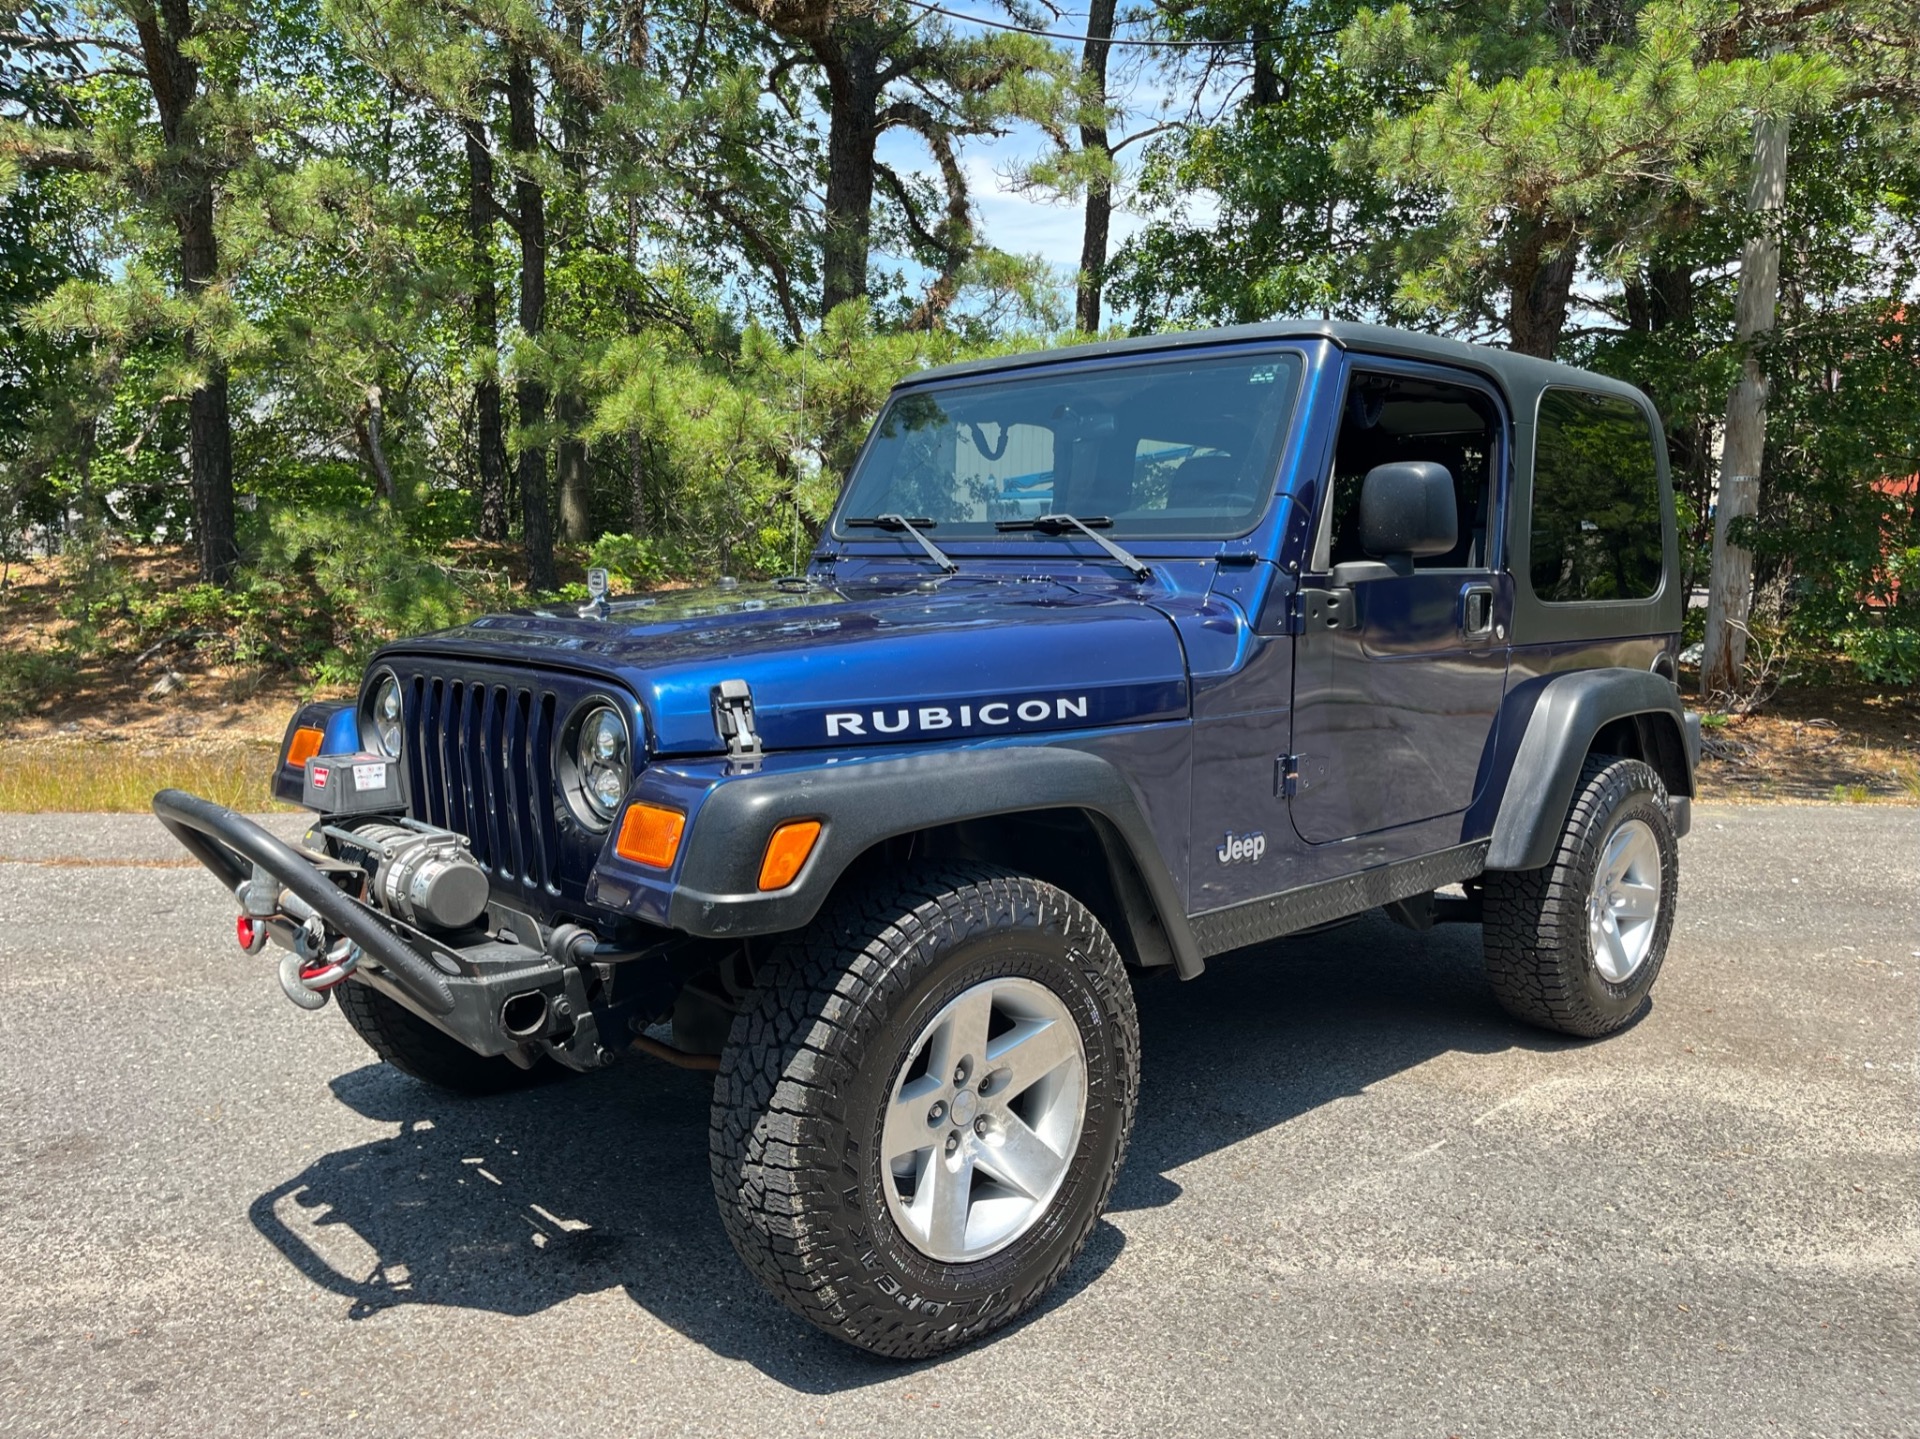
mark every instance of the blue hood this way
{"type": "Point", "coordinates": [971, 657]}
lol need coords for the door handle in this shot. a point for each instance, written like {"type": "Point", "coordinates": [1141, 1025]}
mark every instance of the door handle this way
{"type": "Point", "coordinates": [1476, 611]}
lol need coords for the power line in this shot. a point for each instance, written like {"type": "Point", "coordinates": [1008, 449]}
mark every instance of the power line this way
{"type": "Point", "coordinates": [1077, 39]}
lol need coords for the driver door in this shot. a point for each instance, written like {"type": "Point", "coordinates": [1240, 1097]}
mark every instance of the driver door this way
{"type": "Point", "coordinates": [1398, 677]}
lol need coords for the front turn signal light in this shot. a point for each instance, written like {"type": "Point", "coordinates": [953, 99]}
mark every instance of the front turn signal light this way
{"type": "Point", "coordinates": [650, 835]}
{"type": "Point", "coordinates": [304, 745]}
{"type": "Point", "coordinates": [787, 852]}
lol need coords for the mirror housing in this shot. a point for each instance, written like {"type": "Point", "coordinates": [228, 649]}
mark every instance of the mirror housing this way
{"type": "Point", "coordinates": [1408, 508]}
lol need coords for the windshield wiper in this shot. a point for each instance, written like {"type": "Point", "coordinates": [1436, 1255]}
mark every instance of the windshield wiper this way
{"type": "Point", "coordinates": [899, 523]}
{"type": "Point", "coordinates": [1090, 527]}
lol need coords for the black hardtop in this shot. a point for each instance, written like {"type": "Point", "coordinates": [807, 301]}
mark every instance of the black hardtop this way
{"type": "Point", "coordinates": [1516, 374]}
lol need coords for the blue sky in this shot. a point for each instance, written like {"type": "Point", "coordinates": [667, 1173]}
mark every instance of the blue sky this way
{"type": "Point", "coordinates": [1022, 224]}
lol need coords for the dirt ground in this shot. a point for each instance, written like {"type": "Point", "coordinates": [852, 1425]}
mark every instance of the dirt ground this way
{"type": "Point", "coordinates": [1833, 742]}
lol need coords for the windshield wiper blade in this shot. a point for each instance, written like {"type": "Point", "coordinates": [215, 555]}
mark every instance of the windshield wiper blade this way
{"type": "Point", "coordinates": [1090, 527]}
{"type": "Point", "coordinates": [899, 524]}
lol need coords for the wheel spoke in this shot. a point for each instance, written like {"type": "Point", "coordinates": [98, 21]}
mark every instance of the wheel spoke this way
{"type": "Point", "coordinates": [1032, 1050]}
{"type": "Point", "coordinates": [1618, 857]}
{"type": "Point", "coordinates": [1637, 901]}
{"type": "Point", "coordinates": [944, 1206]}
{"type": "Point", "coordinates": [1622, 963]}
{"type": "Point", "coordinates": [965, 1032]}
{"type": "Point", "coordinates": [906, 1130]}
{"type": "Point", "coordinates": [1642, 857]}
{"type": "Point", "coordinates": [1017, 1156]}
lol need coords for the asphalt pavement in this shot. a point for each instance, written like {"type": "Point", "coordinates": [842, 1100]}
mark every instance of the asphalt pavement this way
{"type": "Point", "coordinates": [1360, 1200]}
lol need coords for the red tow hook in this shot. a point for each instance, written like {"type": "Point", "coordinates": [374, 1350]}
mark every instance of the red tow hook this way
{"type": "Point", "coordinates": [251, 932]}
{"type": "Point", "coordinates": [321, 975]}
{"type": "Point", "coordinates": [307, 982]}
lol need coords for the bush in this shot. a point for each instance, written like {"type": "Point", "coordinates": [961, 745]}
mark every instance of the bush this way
{"type": "Point", "coordinates": [1884, 654]}
{"type": "Point", "coordinates": [630, 563]}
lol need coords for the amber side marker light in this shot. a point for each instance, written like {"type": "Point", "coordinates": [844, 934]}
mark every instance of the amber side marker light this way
{"type": "Point", "coordinates": [304, 745]}
{"type": "Point", "coordinates": [787, 852]}
{"type": "Point", "coordinates": [650, 835]}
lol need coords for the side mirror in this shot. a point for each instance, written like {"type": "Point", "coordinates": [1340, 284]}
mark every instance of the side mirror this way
{"type": "Point", "coordinates": [1406, 509]}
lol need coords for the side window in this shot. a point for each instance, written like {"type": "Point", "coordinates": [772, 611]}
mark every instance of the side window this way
{"type": "Point", "coordinates": [1399, 417]}
{"type": "Point", "coordinates": [1595, 530]}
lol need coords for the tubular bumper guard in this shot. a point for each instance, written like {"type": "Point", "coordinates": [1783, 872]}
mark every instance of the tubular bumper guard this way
{"type": "Point", "coordinates": [461, 991]}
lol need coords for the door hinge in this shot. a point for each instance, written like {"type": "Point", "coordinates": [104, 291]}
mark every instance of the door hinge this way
{"type": "Point", "coordinates": [733, 718]}
{"type": "Point", "coordinates": [1286, 776]}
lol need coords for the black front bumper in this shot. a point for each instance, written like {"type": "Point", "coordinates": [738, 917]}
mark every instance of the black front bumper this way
{"type": "Point", "coordinates": [461, 990]}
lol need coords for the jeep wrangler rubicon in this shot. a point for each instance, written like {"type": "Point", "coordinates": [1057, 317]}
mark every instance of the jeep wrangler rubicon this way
{"type": "Point", "coordinates": [1111, 659]}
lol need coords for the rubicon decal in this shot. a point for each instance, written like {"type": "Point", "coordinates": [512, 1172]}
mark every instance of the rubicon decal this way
{"type": "Point", "coordinates": [968, 716]}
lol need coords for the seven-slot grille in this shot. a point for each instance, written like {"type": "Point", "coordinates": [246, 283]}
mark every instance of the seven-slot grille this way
{"type": "Point", "coordinates": [479, 761]}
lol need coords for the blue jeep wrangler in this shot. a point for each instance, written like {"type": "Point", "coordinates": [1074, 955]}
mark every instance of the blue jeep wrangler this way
{"type": "Point", "coordinates": [1111, 659]}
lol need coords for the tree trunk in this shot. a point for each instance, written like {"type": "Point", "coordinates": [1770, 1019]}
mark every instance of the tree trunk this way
{"type": "Point", "coordinates": [209, 425]}
{"type": "Point", "coordinates": [174, 77]}
{"type": "Point", "coordinates": [484, 335]}
{"type": "Point", "coordinates": [374, 436]}
{"type": "Point", "coordinates": [1094, 140]}
{"type": "Point", "coordinates": [851, 63]}
{"type": "Point", "coordinates": [638, 52]}
{"type": "Point", "coordinates": [575, 476]}
{"type": "Point", "coordinates": [1540, 285]}
{"type": "Point", "coordinates": [569, 411]}
{"type": "Point", "coordinates": [530, 395]}
{"type": "Point", "coordinates": [1730, 580]}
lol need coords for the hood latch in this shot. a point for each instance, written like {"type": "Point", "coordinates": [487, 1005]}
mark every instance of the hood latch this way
{"type": "Point", "coordinates": [733, 718]}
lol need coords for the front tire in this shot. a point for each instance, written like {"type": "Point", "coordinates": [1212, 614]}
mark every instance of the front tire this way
{"type": "Point", "coordinates": [1576, 945]}
{"type": "Point", "coordinates": [920, 1114]}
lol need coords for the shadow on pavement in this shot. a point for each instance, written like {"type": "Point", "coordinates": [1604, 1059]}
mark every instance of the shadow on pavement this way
{"type": "Point", "coordinates": [518, 1204]}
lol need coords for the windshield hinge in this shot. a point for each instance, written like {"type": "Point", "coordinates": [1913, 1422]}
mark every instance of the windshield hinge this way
{"type": "Point", "coordinates": [1317, 609]}
{"type": "Point", "coordinates": [733, 718]}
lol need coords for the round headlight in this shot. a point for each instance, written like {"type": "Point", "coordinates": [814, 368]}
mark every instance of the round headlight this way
{"type": "Point", "coordinates": [381, 723]}
{"type": "Point", "coordinates": [603, 759]}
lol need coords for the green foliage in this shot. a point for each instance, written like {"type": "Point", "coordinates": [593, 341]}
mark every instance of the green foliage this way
{"type": "Point", "coordinates": [1566, 173]}
{"type": "Point", "coordinates": [356, 580]}
{"type": "Point", "coordinates": [1884, 654]}
{"type": "Point", "coordinates": [630, 563]}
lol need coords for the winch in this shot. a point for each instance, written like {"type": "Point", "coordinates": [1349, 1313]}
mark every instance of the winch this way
{"type": "Point", "coordinates": [422, 875]}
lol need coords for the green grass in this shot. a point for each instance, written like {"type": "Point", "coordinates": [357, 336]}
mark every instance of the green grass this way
{"type": "Point", "coordinates": [49, 777]}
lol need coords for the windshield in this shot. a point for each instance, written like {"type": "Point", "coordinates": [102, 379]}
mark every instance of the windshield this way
{"type": "Point", "coordinates": [1171, 446]}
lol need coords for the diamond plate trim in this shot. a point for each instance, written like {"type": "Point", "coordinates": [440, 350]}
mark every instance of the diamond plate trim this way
{"type": "Point", "coordinates": [1239, 925]}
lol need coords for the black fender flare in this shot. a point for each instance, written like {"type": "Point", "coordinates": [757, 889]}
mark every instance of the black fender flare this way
{"type": "Point", "coordinates": [864, 803]}
{"type": "Point", "coordinates": [1545, 734]}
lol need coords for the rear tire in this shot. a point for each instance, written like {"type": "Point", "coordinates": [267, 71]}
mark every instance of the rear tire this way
{"type": "Point", "coordinates": [416, 1048]}
{"type": "Point", "coordinates": [1576, 945]}
{"type": "Point", "coordinates": [876, 1116]}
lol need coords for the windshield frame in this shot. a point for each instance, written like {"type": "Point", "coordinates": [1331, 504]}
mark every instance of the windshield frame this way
{"type": "Point", "coordinates": [1298, 357]}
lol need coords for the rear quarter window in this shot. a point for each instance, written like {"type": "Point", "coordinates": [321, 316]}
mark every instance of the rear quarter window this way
{"type": "Point", "coordinates": [1596, 532]}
